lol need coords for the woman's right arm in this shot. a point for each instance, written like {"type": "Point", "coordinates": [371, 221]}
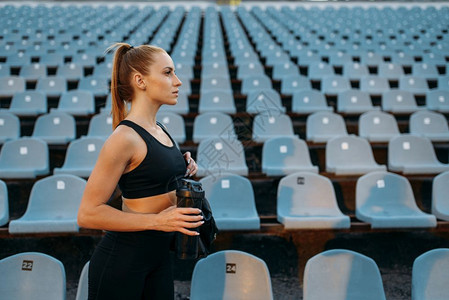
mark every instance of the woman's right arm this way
{"type": "Point", "coordinates": [94, 213]}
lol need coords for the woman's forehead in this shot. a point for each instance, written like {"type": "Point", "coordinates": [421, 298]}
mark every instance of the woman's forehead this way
{"type": "Point", "coordinates": [163, 60]}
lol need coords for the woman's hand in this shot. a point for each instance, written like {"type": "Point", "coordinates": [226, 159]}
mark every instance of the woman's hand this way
{"type": "Point", "coordinates": [179, 219]}
{"type": "Point", "coordinates": [192, 167]}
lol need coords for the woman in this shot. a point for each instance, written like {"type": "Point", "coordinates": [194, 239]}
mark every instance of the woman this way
{"type": "Point", "coordinates": [132, 260]}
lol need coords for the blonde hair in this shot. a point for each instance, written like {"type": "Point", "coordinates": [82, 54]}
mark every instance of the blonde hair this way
{"type": "Point", "coordinates": [128, 59]}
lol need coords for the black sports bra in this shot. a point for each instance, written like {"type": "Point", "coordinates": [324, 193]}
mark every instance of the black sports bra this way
{"type": "Point", "coordinates": [159, 171]}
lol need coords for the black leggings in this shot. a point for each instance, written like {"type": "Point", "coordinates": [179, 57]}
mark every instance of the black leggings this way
{"type": "Point", "coordinates": [132, 265]}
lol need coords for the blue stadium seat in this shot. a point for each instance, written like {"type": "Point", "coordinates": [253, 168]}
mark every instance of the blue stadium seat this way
{"type": "Point", "coordinates": [390, 71]}
{"type": "Point", "coordinates": [412, 154]}
{"type": "Point", "coordinates": [28, 103]}
{"type": "Point", "coordinates": [322, 126]}
{"type": "Point", "coordinates": [399, 101]}
{"type": "Point", "coordinates": [255, 83]}
{"type": "Point", "coordinates": [211, 69]}
{"type": "Point", "coordinates": [285, 155]}
{"type": "Point", "coordinates": [425, 70]}
{"type": "Point", "coordinates": [429, 275]}
{"type": "Point", "coordinates": [52, 86]}
{"type": "Point", "coordinates": [282, 70]}
{"type": "Point", "coordinates": [350, 155]}
{"type": "Point", "coordinates": [231, 274]}
{"type": "Point", "coordinates": [440, 190]}
{"type": "Point", "coordinates": [10, 85]}
{"type": "Point", "coordinates": [294, 83]}
{"type": "Point", "coordinates": [100, 126]}
{"type": "Point", "coordinates": [213, 124]}
{"type": "Point", "coordinates": [374, 84]}
{"type": "Point", "coordinates": [83, 284]}
{"type": "Point", "coordinates": [231, 198]}
{"type": "Point", "coordinates": [217, 155]}
{"type": "Point", "coordinates": [378, 126]}
{"type": "Point", "coordinates": [271, 124]}
{"type": "Point", "coordinates": [355, 71]}
{"type": "Point", "coordinates": [413, 84]}
{"type": "Point", "coordinates": [340, 274]}
{"type": "Point", "coordinates": [99, 86]}
{"type": "Point", "coordinates": [174, 124]}
{"type": "Point", "coordinates": [52, 207]}
{"type": "Point", "coordinates": [70, 71]}
{"type": "Point", "coordinates": [355, 102]}
{"type": "Point", "coordinates": [429, 124]}
{"type": "Point", "coordinates": [32, 275]}
{"type": "Point", "coordinates": [307, 200]}
{"type": "Point", "coordinates": [4, 70]}
{"type": "Point", "coordinates": [334, 84]}
{"type": "Point", "coordinates": [81, 157]}
{"type": "Point", "coordinates": [370, 58]}
{"type": "Point", "coordinates": [214, 83]}
{"type": "Point", "coordinates": [4, 205]}
{"type": "Point", "coordinates": [24, 158]}
{"type": "Point", "coordinates": [438, 100]}
{"type": "Point", "coordinates": [386, 200]}
{"type": "Point", "coordinates": [264, 100]}
{"type": "Point", "coordinates": [9, 127]}
{"type": "Point", "coordinates": [51, 60]}
{"type": "Point", "coordinates": [320, 70]}
{"type": "Point", "coordinates": [217, 101]}
{"type": "Point", "coordinates": [33, 72]}
{"type": "Point", "coordinates": [55, 128]}
{"type": "Point", "coordinates": [84, 59]}
{"type": "Point", "coordinates": [443, 83]}
{"type": "Point", "coordinates": [249, 69]}
{"type": "Point", "coordinates": [77, 103]}
{"type": "Point", "coordinates": [309, 101]}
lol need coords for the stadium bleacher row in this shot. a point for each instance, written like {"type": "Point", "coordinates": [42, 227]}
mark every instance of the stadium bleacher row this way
{"type": "Point", "coordinates": [299, 119]}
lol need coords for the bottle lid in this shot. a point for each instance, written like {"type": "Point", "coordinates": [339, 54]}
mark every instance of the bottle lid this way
{"type": "Point", "coordinates": [190, 188]}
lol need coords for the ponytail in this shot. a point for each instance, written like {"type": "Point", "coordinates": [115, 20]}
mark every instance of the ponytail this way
{"type": "Point", "coordinates": [127, 60]}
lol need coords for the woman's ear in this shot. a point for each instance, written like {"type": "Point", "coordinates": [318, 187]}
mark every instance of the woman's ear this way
{"type": "Point", "coordinates": [139, 81]}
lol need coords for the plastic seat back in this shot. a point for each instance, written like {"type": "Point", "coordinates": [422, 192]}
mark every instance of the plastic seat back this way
{"type": "Point", "coordinates": [399, 101]}
{"type": "Point", "coordinates": [24, 158]}
{"type": "Point", "coordinates": [264, 100]}
{"type": "Point", "coordinates": [81, 156]}
{"type": "Point", "coordinates": [350, 155]}
{"type": "Point", "coordinates": [28, 103]}
{"type": "Point", "coordinates": [9, 127]}
{"type": "Point", "coordinates": [429, 275]}
{"type": "Point", "coordinates": [217, 101]}
{"type": "Point", "coordinates": [213, 124]}
{"type": "Point", "coordinates": [53, 206]}
{"type": "Point", "coordinates": [99, 86]}
{"type": "Point", "coordinates": [378, 126]}
{"type": "Point", "coordinates": [430, 124]}
{"type": "Point", "coordinates": [55, 128]}
{"type": "Point", "coordinates": [174, 124]}
{"type": "Point", "coordinates": [309, 101]}
{"type": "Point", "coordinates": [374, 84]}
{"type": "Point", "coordinates": [342, 275]}
{"type": "Point", "coordinates": [52, 86]}
{"type": "Point", "coordinates": [32, 275]}
{"type": "Point", "coordinates": [82, 291]}
{"type": "Point", "coordinates": [292, 83]}
{"type": "Point", "coordinates": [232, 201]}
{"type": "Point", "coordinates": [413, 84]}
{"type": "Point", "coordinates": [4, 205]}
{"type": "Point", "coordinates": [440, 190]}
{"type": "Point", "coordinates": [10, 85]}
{"type": "Point", "coordinates": [322, 126]}
{"type": "Point", "coordinates": [438, 100]}
{"type": "Point", "coordinates": [100, 125]}
{"type": "Point", "coordinates": [386, 200]}
{"type": "Point", "coordinates": [255, 83]}
{"type": "Point", "coordinates": [268, 125]}
{"type": "Point", "coordinates": [355, 102]}
{"type": "Point", "coordinates": [307, 200]}
{"type": "Point", "coordinates": [230, 275]}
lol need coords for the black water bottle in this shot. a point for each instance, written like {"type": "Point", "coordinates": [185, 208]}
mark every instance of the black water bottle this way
{"type": "Point", "coordinates": [189, 194]}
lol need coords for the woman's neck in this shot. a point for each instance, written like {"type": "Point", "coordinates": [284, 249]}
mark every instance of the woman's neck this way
{"type": "Point", "coordinates": [144, 112]}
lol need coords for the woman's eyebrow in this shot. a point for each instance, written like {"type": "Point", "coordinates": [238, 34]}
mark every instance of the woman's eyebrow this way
{"type": "Point", "coordinates": [170, 68]}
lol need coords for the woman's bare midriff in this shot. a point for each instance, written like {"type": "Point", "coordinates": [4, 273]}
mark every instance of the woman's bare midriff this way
{"type": "Point", "coordinates": [149, 205]}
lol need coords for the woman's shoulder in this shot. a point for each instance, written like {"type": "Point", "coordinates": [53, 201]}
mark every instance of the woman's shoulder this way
{"type": "Point", "coordinates": [123, 137]}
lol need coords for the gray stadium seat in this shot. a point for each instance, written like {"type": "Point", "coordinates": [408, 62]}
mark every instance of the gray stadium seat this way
{"type": "Point", "coordinates": [213, 124]}
{"type": "Point", "coordinates": [71, 72]}
{"type": "Point", "coordinates": [425, 70]}
{"type": "Point", "coordinates": [55, 128]}
{"type": "Point", "coordinates": [9, 127]}
{"type": "Point", "coordinates": [342, 275]}
{"type": "Point", "coordinates": [214, 83]}
{"type": "Point", "coordinates": [307, 200]}
{"type": "Point", "coordinates": [374, 84]}
{"type": "Point", "coordinates": [33, 72]}
{"type": "Point", "coordinates": [231, 198]}
{"type": "Point", "coordinates": [255, 83]}
{"type": "Point", "coordinates": [231, 274]}
{"type": "Point", "coordinates": [217, 155]}
{"type": "Point", "coordinates": [24, 158]}
{"type": "Point", "coordinates": [386, 200]}
{"type": "Point", "coordinates": [378, 126]}
{"type": "Point", "coordinates": [440, 190]}
{"type": "Point", "coordinates": [411, 154]}
{"type": "Point", "coordinates": [99, 86]}
{"type": "Point", "coordinates": [413, 84]}
{"type": "Point", "coordinates": [282, 70]}
{"type": "Point", "coordinates": [249, 69]}
{"type": "Point", "coordinates": [350, 155]}
{"type": "Point", "coordinates": [4, 205]}
{"type": "Point", "coordinates": [32, 275]}
{"type": "Point", "coordinates": [320, 70]}
{"type": "Point", "coordinates": [390, 71]}
{"type": "Point", "coordinates": [322, 126]}
{"type": "Point", "coordinates": [334, 84]}
{"type": "Point", "coordinates": [429, 275]}
{"type": "Point", "coordinates": [285, 155]}
{"type": "Point", "coordinates": [174, 124]}
{"type": "Point", "coordinates": [264, 100]}
{"type": "Point", "coordinates": [294, 83]}
{"type": "Point", "coordinates": [271, 124]}
{"type": "Point", "coordinates": [355, 71]}
{"type": "Point", "coordinates": [443, 83]}
{"type": "Point", "coordinates": [81, 157]}
{"type": "Point", "coordinates": [429, 124]}
{"type": "Point", "coordinates": [52, 207]}
{"type": "Point", "coordinates": [52, 86]}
